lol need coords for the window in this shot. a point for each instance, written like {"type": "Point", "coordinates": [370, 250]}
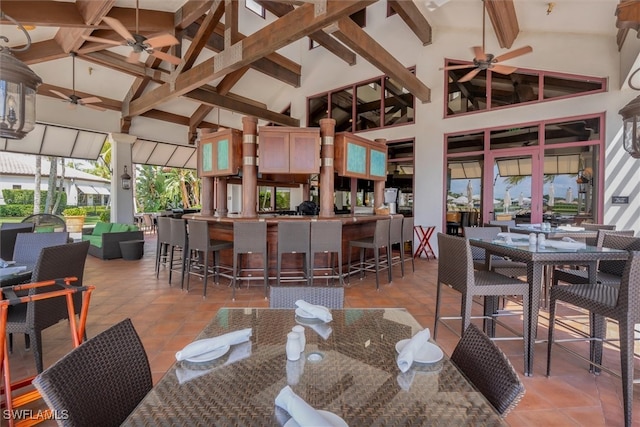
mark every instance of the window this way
{"type": "Point", "coordinates": [254, 7]}
{"type": "Point", "coordinates": [16, 187]}
{"type": "Point", "coordinates": [372, 98]}
{"type": "Point", "coordinates": [489, 90]}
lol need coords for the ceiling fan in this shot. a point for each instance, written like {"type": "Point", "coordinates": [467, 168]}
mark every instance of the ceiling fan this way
{"type": "Point", "coordinates": [137, 41]}
{"type": "Point", "coordinates": [487, 61]}
{"type": "Point", "coordinates": [73, 99]}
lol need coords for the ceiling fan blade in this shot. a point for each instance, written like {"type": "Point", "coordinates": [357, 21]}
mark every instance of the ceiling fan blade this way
{"type": "Point", "coordinates": [118, 28]}
{"type": "Point", "coordinates": [479, 54]}
{"type": "Point", "coordinates": [513, 54]}
{"type": "Point", "coordinates": [60, 94]}
{"type": "Point", "coordinates": [90, 100]}
{"type": "Point", "coordinates": [161, 41]}
{"type": "Point", "coordinates": [133, 57]}
{"type": "Point", "coordinates": [95, 107]}
{"type": "Point", "coordinates": [457, 67]}
{"type": "Point", "coordinates": [503, 69]}
{"type": "Point", "coordinates": [166, 57]}
{"type": "Point", "coordinates": [471, 74]}
{"type": "Point", "coordinates": [101, 40]}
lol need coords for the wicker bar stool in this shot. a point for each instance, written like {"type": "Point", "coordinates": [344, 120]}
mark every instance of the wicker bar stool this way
{"type": "Point", "coordinates": [407, 238]}
{"type": "Point", "coordinates": [379, 240]}
{"type": "Point", "coordinates": [249, 237]}
{"type": "Point", "coordinates": [618, 303]}
{"type": "Point", "coordinates": [293, 238]}
{"type": "Point", "coordinates": [179, 240]}
{"type": "Point", "coordinates": [162, 241]}
{"type": "Point", "coordinates": [395, 238]}
{"type": "Point", "coordinates": [326, 237]}
{"type": "Point", "coordinates": [200, 242]}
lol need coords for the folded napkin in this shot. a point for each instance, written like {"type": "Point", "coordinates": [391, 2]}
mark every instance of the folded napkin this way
{"type": "Point", "coordinates": [514, 236]}
{"type": "Point", "coordinates": [563, 244]}
{"type": "Point", "coordinates": [239, 352]}
{"type": "Point", "coordinates": [321, 329]}
{"type": "Point", "coordinates": [317, 311]}
{"type": "Point", "coordinates": [303, 413]}
{"type": "Point", "coordinates": [570, 228]}
{"type": "Point", "coordinates": [209, 344]}
{"type": "Point", "coordinates": [405, 358]}
{"type": "Point", "coordinates": [12, 270]}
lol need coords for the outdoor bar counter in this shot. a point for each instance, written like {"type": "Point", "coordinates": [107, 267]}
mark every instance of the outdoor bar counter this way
{"type": "Point", "coordinates": [353, 227]}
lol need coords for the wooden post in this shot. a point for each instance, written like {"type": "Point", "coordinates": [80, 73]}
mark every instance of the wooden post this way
{"type": "Point", "coordinates": [378, 186]}
{"type": "Point", "coordinates": [221, 196]}
{"type": "Point", "coordinates": [207, 196]}
{"type": "Point", "coordinates": [249, 167]}
{"type": "Point", "coordinates": [327, 133]}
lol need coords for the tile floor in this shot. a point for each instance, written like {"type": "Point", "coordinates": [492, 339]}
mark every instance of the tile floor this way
{"type": "Point", "coordinates": [168, 318]}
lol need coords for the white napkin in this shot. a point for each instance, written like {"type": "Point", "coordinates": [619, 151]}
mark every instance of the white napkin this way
{"type": "Point", "coordinates": [559, 244]}
{"type": "Point", "coordinates": [303, 413]}
{"type": "Point", "coordinates": [317, 311]}
{"type": "Point", "coordinates": [207, 345]}
{"type": "Point", "coordinates": [12, 270]}
{"type": "Point", "coordinates": [405, 358]}
{"type": "Point", "coordinates": [514, 236]}
{"type": "Point", "coordinates": [321, 329]}
{"type": "Point", "coordinates": [239, 352]}
{"type": "Point", "coordinates": [570, 228]}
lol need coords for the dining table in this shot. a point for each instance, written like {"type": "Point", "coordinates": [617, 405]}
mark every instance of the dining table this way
{"type": "Point", "coordinates": [348, 368]}
{"type": "Point", "coordinates": [536, 257]}
{"type": "Point", "coordinates": [576, 233]}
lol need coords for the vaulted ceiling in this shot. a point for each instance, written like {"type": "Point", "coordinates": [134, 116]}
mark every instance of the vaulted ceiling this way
{"type": "Point", "coordinates": [215, 55]}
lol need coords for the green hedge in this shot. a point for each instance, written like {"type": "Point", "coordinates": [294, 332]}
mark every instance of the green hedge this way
{"type": "Point", "coordinates": [17, 210]}
{"type": "Point", "coordinates": [21, 197]}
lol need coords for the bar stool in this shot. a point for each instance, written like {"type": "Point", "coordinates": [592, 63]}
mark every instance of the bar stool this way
{"type": "Point", "coordinates": [407, 237]}
{"type": "Point", "coordinates": [199, 241]}
{"type": "Point", "coordinates": [379, 240]}
{"type": "Point", "coordinates": [178, 240]}
{"type": "Point", "coordinates": [249, 237]}
{"type": "Point", "coordinates": [326, 237]}
{"type": "Point", "coordinates": [293, 238]}
{"type": "Point", "coordinates": [395, 238]}
{"type": "Point", "coordinates": [162, 242]}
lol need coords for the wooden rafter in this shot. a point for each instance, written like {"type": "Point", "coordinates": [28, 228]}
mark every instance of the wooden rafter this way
{"type": "Point", "coordinates": [291, 27]}
{"type": "Point", "coordinates": [364, 45]}
{"type": "Point", "coordinates": [502, 14]}
{"type": "Point", "coordinates": [70, 39]}
{"type": "Point", "coordinates": [199, 41]}
{"type": "Point", "coordinates": [411, 15]}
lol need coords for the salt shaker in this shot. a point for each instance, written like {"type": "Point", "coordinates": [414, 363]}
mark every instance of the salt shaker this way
{"type": "Point", "coordinates": [532, 238]}
{"type": "Point", "coordinates": [541, 240]}
{"type": "Point", "coordinates": [300, 331]}
{"type": "Point", "coordinates": [293, 347]}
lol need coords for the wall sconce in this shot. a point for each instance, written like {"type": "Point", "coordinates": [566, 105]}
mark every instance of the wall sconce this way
{"type": "Point", "coordinates": [125, 179]}
{"type": "Point", "coordinates": [631, 125]}
{"type": "Point", "coordinates": [18, 85]}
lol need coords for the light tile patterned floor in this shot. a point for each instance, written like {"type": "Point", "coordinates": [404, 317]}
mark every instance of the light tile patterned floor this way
{"type": "Point", "coordinates": [168, 318]}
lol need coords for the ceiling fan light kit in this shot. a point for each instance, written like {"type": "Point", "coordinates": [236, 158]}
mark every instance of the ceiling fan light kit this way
{"type": "Point", "coordinates": [487, 61]}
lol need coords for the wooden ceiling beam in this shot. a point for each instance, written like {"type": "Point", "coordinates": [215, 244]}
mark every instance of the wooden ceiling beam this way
{"type": "Point", "coordinates": [199, 41]}
{"type": "Point", "coordinates": [43, 51]}
{"type": "Point", "coordinates": [230, 80]}
{"type": "Point", "coordinates": [119, 63]}
{"type": "Point", "coordinates": [70, 39]}
{"type": "Point", "coordinates": [291, 27]}
{"type": "Point", "coordinates": [415, 20]}
{"type": "Point", "coordinates": [364, 45]}
{"type": "Point", "coordinates": [231, 34]}
{"type": "Point", "coordinates": [190, 12]}
{"type": "Point", "coordinates": [502, 14]}
{"type": "Point", "coordinates": [195, 120]}
{"type": "Point", "coordinates": [280, 9]}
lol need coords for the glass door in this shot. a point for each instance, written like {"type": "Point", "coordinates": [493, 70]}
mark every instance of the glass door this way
{"type": "Point", "coordinates": [510, 190]}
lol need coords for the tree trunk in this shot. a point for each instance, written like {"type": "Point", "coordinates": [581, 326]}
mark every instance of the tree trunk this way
{"type": "Point", "coordinates": [38, 180]}
{"type": "Point", "coordinates": [60, 187]}
{"type": "Point", "coordinates": [51, 187]}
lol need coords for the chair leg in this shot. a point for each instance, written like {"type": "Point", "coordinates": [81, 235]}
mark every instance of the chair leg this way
{"type": "Point", "coordinates": [265, 259]}
{"type": "Point", "coordinates": [552, 317]}
{"type": "Point", "coordinates": [278, 267]}
{"type": "Point", "coordinates": [626, 332]}
{"type": "Point", "coordinates": [598, 328]}
{"type": "Point", "coordinates": [171, 264]}
{"type": "Point", "coordinates": [36, 338]}
{"type": "Point", "coordinates": [362, 250]}
{"type": "Point", "coordinates": [389, 263]}
{"type": "Point", "coordinates": [376, 257]}
{"type": "Point", "coordinates": [206, 271]}
{"type": "Point", "coordinates": [402, 258]}
{"type": "Point", "coordinates": [216, 267]}
{"type": "Point", "coordinates": [341, 280]}
{"type": "Point", "coordinates": [234, 276]}
{"type": "Point", "coordinates": [437, 315]}
{"type": "Point", "coordinates": [467, 302]}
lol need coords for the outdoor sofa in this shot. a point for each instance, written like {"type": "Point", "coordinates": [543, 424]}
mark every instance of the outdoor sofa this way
{"type": "Point", "coordinates": [105, 238]}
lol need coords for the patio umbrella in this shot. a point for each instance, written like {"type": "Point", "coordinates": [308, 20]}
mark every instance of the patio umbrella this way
{"type": "Point", "coordinates": [521, 199]}
{"type": "Point", "coordinates": [552, 195]}
{"type": "Point", "coordinates": [507, 201]}
{"type": "Point", "coordinates": [470, 194]}
{"type": "Point", "coordinates": [569, 196]}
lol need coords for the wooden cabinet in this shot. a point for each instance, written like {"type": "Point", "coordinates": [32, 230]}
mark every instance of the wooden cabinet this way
{"type": "Point", "coordinates": [288, 150]}
{"type": "Point", "coordinates": [357, 157]}
{"type": "Point", "coordinates": [220, 153]}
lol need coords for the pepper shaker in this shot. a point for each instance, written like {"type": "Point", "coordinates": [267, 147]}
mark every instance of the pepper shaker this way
{"type": "Point", "coordinates": [300, 331]}
{"type": "Point", "coordinates": [532, 238]}
{"type": "Point", "coordinates": [293, 347]}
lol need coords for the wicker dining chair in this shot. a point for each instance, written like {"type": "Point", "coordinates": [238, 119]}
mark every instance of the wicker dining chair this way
{"type": "Point", "coordinates": [32, 318]}
{"type": "Point", "coordinates": [8, 233]}
{"type": "Point", "coordinates": [100, 382]}
{"type": "Point", "coordinates": [455, 269]}
{"type": "Point", "coordinates": [618, 303]}
{"type": "Point", "coordinates": [609, 272]}
{"type": "Point", "coordinates": [286, 296]}
{"type": "Point", "coordinates": [498, 264]}
{"type": "Point", "coordinates": [46, 222]}
{"type": "Point", "coordinates": [591, 241]}
{"type": "Point", "coordinates": [28, 245]}
{"type": "Point", "coordinates": [490, 371]}
{"type": "Point", "coordinates": [379, 240]}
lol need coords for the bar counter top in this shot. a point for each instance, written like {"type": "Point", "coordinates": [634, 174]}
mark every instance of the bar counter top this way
{"type": "Point", "coordinates": [274, 218]}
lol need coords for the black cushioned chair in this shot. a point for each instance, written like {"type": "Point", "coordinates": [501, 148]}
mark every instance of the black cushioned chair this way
{"type": "Point", "coordinates": [8, 233]}
{"type": "Point", "coordinates": [486, 366]}
{"type": "Point", "coordinates": [100, 382]}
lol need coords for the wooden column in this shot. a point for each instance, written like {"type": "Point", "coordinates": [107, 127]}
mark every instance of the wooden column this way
{"type": "Point", "coordinates": [207, 195]}
{"type": "Point", "coordinates": [249, 167]}
{"type": "Point", "coordinates": [221, 196]}
{"type": "Point", "coordinates": [378, 186]}
{"type": "Point", "coordinates": [327, 133]}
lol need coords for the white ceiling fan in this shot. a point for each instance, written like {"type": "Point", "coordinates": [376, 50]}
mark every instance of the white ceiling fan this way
{"type": "Point", "coordinates": [73, 99]}
{"type": "Point", "coordinates": [487, 61]}
{"type": "Point", "coordinates": [138, 42]}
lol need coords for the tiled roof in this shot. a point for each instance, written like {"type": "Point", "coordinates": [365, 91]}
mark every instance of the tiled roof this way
{"type": "Point", "coordinates": [25, 164]}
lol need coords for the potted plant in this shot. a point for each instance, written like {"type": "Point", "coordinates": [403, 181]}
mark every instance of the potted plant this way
{"type": "Point", "coordinates": [74, 218]}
